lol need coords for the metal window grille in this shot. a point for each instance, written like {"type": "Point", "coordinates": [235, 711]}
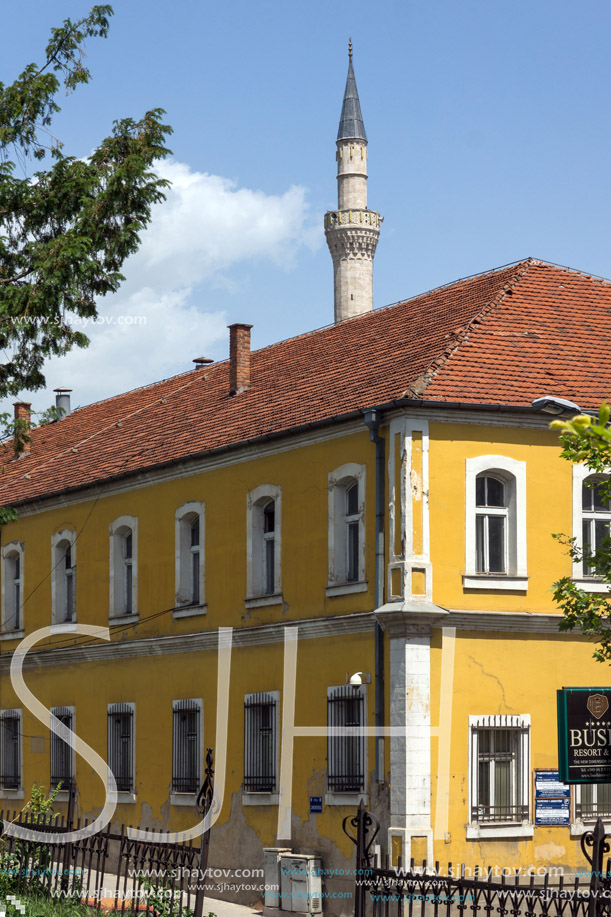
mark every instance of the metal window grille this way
{"type": "Point", "coordinates": [500, 791]}
{"type": "Point", "coordinates": [260, 738]}
{"type": "Point", "coordinates": [346, 743]}
{"type": "Point", "coordinates": [61, 752]}
{"type": "Point", "coordinates": [10, 750]}
{"type": "Point", "coordinates": [593, 800]}
{"type": "Point", "coordinates": [186, 747]}
{"type": "Point", "coordinates": [121, 745]}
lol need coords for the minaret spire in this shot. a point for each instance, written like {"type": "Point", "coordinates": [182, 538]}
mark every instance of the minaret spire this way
{"type": "Point", "coordinates": [352, 230]}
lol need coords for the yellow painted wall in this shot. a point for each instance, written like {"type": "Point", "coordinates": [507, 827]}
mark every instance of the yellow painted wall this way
{"type": "Point", "coordinates": [548, 509]}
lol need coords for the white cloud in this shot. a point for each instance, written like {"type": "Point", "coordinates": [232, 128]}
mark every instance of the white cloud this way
{"type": "Point", "coordinates": [152, 328]}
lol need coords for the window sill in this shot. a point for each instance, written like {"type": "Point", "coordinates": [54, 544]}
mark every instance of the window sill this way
{"type": "Point", "coordinates": [499, 832]}
{"type": "Point", "coordinates": [260, 799]}
{"type": "Point", "coordinates": [12, 794]}
{"type": "Point", "coordinates": [123, 619]}
{"type": "Point", "coordinates": [499, 583]}
{"type": "Point", "coordinates": [580, 828]}
{"type": "Point", "coordinates": [183, 799]}
{"type": "Point", "coordinates": [592, 584]}
{"type": "Point", "coordinates": [189, 611]}
{"type": "Point", "coordinates": [260, 601]}
{"type": "Point", "coordinates": [347, 588]}
{"type": "Point", "coordinates": [12, 635]}
{"type": "Point", "coordinates": [123, 798]}
{"type": "Point", "coordinates": [346, 799]}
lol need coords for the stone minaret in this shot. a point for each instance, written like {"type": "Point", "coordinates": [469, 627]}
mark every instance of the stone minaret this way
{"type": "Point", "coordinates": [352, 230]}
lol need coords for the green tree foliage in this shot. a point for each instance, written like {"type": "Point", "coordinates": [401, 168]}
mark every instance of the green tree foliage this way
{"type": "Point", "coordinates": [588, 439]}
{"type": "Point", "coordinates": [65, 229]}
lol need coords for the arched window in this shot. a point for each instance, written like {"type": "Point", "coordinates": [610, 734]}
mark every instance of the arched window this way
{"type": "Point", "coordinates": [123, 567]}
{"type": "Point", "coordinates": [189, 521]}
{"type": "Point", "coordinates": [263, 545]}
{"type": "Point", "coordinates": [596, 516]}
{"type": "Point", "coordinates": [495, 524]}
{"type": "Point", "coordinates": [63, 576]}
{"type": "Point", "coordinates": [12, 586]}
{"type": "Point", "coordinates": [352, 523]}
{"type": "Point", "coordinates": [347, 529]}
{"type": "Point", "coordinates": [491, 529]}
{"type": "Point", "coordinates": [269, 547]}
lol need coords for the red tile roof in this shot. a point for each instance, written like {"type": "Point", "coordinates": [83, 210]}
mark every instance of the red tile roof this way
{"type": "Point", "coordinates": [503, 337]}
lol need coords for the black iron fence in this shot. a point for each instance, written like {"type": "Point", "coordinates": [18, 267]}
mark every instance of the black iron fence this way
{"type": "Point", "coordinates": [134, 874]}
{"type": "Point", "coordinates": [410, 890]}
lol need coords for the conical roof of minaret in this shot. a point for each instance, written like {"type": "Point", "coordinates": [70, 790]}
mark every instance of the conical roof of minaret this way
{"type": "Point", "coordinates": [351, 125]}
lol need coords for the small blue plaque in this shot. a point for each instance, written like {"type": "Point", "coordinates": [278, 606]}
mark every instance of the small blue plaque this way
{"type": "Point", "coordinates": [315, 804]}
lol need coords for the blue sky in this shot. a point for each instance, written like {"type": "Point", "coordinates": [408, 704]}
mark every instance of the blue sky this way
{"type": "Point", "coordinates": [489, 141]}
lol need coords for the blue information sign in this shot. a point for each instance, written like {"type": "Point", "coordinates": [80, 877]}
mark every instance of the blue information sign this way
{"type": "Point", "coordinates": [552, 799]}
{"type": "Point", "coordinates": [315, 804]}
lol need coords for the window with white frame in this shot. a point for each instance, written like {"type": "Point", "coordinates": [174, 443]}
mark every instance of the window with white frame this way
{"type": "Point", "coordinates": [121, 745]}
{"type": "Point", "coordinates": [491, 524]}
{"type": "Point", "coordinates": [10, 749]}
{"type": "Point", "coordinates": [346, 740]}
{"type": "Point", "coordinates": [499, 769]}
{"type": "Point", "coordinates": [495, 523]}
{"type": "Point", "coordinates": [187, 746]}
{"type": "Point", "coordinates": [347, 525]}
{"type": "Point", "coordinates": [62, 751]}
{"type": "Point", "coordinates": [123, 567]}
{"type": "Point", "coordinates": [190, 582]}
{"type": "Point", "coordinates": [63, 576]}
{"type": "Point", "coordinates": [12, 586]}
{"type": "Point", "coordinates": [261, 742]}
{"type": "Point", "coordinates": [592, 801]}
{"type": "Point", "coordinates": [263, 537]}
{"type": "Point", "coordinates": [596, 516]}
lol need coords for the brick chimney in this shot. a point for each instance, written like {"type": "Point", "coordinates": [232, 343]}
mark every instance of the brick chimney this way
{"type": "Point", "coordinates": [239, 358]}
{"type": "Point", "coordinates": [21, 440]}
{"type": "Point", "coordinates": [23, 410]}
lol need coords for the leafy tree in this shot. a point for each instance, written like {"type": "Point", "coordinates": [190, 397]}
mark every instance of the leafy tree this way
{"type": "Point", "coordinates": [588, 439]}
{"type": "Point", "coordinates": [66, 229]}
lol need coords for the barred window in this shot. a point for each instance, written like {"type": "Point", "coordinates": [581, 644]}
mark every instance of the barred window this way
{"type": "Point", "coordinates": [260, 742]}
{"type": "Point", "coordinates": [592, 801]}
{"type": "Point", "coordinates": [10, 749]}
{"type": "Point", "coordinates": [62, 755]}
{"type": "Point", "coordinates": [121, 747]}
{"type": "Point", "coordinates": [346, 742]}
{"type": "Point", "coordinates": [187, 746]}
{"type": "Point", "coordinates": [500, 768]}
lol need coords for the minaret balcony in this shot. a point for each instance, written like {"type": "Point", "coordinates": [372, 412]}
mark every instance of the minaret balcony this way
{"type": "Point", "coordinates": [352, 217]}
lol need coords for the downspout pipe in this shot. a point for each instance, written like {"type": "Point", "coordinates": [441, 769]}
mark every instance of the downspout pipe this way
{"type": "Point", "coordinates": [372, 419]}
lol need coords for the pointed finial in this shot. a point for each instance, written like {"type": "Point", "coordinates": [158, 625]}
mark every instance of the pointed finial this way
{"type": "Point", "coordinates": [350, 49]}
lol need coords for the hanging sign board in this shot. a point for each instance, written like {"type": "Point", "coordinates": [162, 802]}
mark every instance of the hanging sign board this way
{"type": "Point", "coordinates": [584, 735]}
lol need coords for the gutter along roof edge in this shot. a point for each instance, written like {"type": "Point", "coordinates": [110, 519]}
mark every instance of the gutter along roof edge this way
{"type": "Point", "coordinates": [280, 434]}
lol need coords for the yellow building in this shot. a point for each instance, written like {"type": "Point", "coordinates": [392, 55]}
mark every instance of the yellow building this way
{"type": "Point", "coordinates": [364, 515]}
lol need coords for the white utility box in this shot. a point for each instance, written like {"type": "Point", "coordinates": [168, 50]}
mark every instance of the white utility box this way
{"type": "Point", "coordinates": [300, 883]}
{"type": "Point", "coordinates": [271, 870]}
